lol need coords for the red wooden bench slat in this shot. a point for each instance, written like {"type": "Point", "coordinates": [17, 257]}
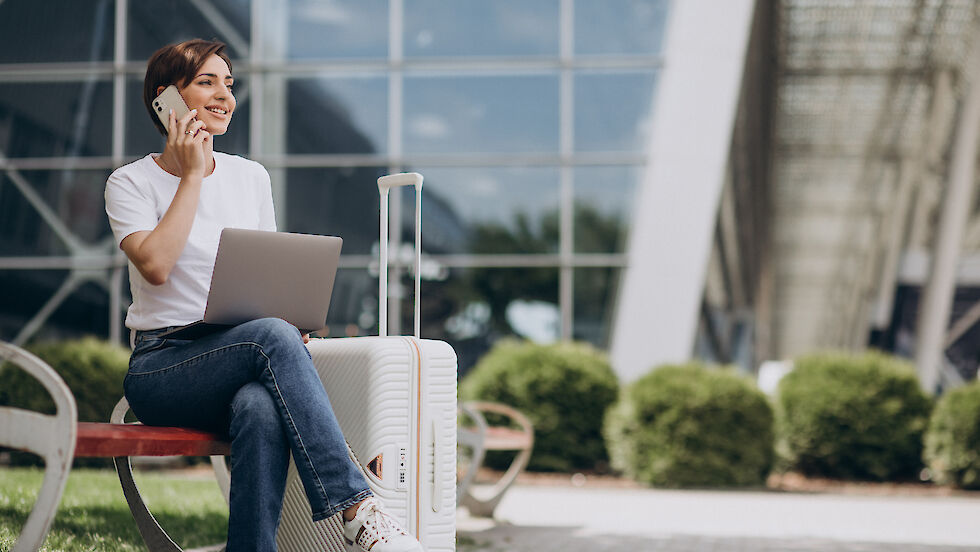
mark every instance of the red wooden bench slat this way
{"type": "Point", "coordinates": [111, 440]}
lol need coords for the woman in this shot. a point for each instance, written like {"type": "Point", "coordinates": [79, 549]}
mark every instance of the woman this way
{"type": "Point", "coordinates": [255, 381]}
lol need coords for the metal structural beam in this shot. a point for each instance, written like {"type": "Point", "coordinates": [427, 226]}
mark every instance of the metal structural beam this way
{"type": "Point", "coordinates": [937, 298]}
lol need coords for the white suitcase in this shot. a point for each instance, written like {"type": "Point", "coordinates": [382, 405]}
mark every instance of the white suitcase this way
{"type": "Point", "coordinates": [395, 399]}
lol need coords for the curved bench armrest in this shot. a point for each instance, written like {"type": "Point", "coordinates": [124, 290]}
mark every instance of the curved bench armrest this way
{"type": "Point", "coordinates": [482, 502]}
{"type": "Point", "coordinates": [475, 439]}
{"type": "Point", "coordinates": [50, 437]}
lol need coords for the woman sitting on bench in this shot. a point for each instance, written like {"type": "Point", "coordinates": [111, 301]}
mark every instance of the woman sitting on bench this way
{"type": "Point", "coordinates": [256, 381]}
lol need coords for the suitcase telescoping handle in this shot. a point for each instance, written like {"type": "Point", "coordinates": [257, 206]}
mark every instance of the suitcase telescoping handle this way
{"type": "Point", "coordinates": [386, 183]}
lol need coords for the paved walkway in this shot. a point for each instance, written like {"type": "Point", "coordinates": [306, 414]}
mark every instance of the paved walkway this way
{"type": "Point", "coordinates": [568, 519]}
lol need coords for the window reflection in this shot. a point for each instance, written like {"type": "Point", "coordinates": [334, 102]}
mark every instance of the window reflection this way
{"type": "Point", "coordinates": [620, 26]}
{"type": "Point", "coordinates": [22, 231]}
{"type": "Point", "coordinates": [471, 114]}
{"type": "Point", "coordinates": [56, 119]}
{"type": "Point", "coordinates": [612, 110]}
{"type": "Point", "coordinates": [472, 308]}
{"type": "Point", "coordinates": [481, 28]}
{"type": "Point", "coordinates": [75, 196]}
{"type": "Point", "coordinates": [604, 198]}
{"type": "Point", "coordinates": [499, 210]}
{"type": "Point", "coordinates": [595, 295]}
{"type": "Point", "coordinates": [320, 29]}
{"type": "Point", "coordinates": [33, 289]}
{"type": "Point", "coordinates": [72, 31]}
{"type": "Point", "coordinates": [353, 304]}
{"type": "Point", "coordinates": [337, 115]}
{"type": "Point", "coordinates": [153, 25]}
{"type": "Point", "coordinates": [490, 206]}
{"type": "Point", "coordinates": [335, 202]}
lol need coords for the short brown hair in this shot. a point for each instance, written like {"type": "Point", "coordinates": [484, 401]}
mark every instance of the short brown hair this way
{"type": "Point", "coordinates": [177, 64]}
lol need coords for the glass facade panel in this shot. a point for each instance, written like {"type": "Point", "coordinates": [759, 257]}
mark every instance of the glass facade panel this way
{"type": "Point", "coordinates": [340, 201]}
{"type": "Point", "coordinates": [595, 295]}
{"type": "Point", "coordinates": [76, 197]}
{"type": "Point", "coordinates": [604, 207]}
{"type": "Point", "coordinates": [481, 28]}
{"type": "Point", "coordinates": [612, 110]}
{"type": "Point", "coordinates": [142, 136]}
{"type": "Point", "coordinates": [488, 134]}
{"type": "Point", "coordinates": [481, 114]}
{"type": "Point", "coordinates": [620, 27]}
{"type": "Point", "coordinates": [337, 115]}
{"type": "Point", "coordinates": [498, 210]}
{"type": "Point", "coordinates": [22, 230]}
{"type": "Point", "coordinates": [56, 119]}
{"type": "Point", "coordinates": [153, 25]}
{"type": "Point", "coordinates": [72, 31]}
{"type": "Point", "coordinates": [353, 304]}
{"type": "Point", "coordinates": [34, 288]}
{"type": "Point", "coordinates": [323, 29]}
{"type": "Point", "coordinates": [473, 307]}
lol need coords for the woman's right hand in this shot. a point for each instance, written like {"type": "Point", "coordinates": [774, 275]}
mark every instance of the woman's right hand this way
{"type": "Point", "coordinates": [186, 138]}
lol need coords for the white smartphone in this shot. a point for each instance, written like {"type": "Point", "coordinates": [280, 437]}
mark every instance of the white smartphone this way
{"type": "Point", "coordinates": [169, 99]}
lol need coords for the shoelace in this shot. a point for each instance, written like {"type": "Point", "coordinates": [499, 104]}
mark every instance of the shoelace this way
{"type": "Point", "coordinates": [378, 521]}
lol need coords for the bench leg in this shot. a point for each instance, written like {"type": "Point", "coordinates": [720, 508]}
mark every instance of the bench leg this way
{"type": "Point", "coordinates": [154, 536]}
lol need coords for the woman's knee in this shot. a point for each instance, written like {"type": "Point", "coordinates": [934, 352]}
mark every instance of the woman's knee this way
{"type": "Point", "coordinates": [254, 409]}
{"type": "Point", "coordinates": [274, 331]}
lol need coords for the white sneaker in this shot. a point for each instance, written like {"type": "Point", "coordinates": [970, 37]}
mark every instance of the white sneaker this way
{"type": "Point", "coordinates": [374, 530]}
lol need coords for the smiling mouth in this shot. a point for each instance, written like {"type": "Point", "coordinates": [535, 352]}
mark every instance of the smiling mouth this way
{"type": "Point", "coordinates": [217, 110]}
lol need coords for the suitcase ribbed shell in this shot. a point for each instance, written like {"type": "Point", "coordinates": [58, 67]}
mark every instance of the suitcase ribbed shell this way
{"type": "Point", "coordinates": [395, 399]}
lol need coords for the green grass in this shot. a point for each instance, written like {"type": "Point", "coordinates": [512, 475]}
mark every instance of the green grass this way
{"type": "Point", "coordinates": [93, 514]}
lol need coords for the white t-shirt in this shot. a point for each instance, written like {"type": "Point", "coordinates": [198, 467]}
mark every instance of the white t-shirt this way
{"type": "Point", "coordinates": [237, 194]}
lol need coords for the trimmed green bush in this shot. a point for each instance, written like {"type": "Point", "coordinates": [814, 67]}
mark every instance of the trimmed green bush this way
{"type": "Point", "coordinates": [564, 389]}
{"type": "Point", "coordinates": [93, 369]}
{"type": "Point", "coordinates": [858, 417]}
{"type": "Point", "coordinates": [953, 438]}
{"type": "Point", "coordinates": [692, 426]}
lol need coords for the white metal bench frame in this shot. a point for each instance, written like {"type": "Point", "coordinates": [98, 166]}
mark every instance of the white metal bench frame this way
{"type": "Point", "coordinates": [52, 437]}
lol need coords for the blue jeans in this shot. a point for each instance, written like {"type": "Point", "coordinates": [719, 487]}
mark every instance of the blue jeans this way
{"type": "Point", "coordinates": [256, 383]}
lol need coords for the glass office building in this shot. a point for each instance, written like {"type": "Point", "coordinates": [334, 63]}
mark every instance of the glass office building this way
{"type": "Point", "coordinates": [530, 120]}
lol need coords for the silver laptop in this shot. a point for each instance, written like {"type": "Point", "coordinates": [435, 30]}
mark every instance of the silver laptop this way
{"type": "Point", "coordinates": [259, 274]}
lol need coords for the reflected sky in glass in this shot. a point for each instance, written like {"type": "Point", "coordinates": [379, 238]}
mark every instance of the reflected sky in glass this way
{"type": "Point", "coordinates": [338, 115]}
{"type": "Point", "coordinates": [620, 27]}
{"type": "Point", "coordinates": [324, 29]}
{"type": "Point", "coordinates": [604, 199]}
{"type": "Point", "coordinates": [481, 114]}
{"type": "Point", "coordinates": [512, 203]}
{"type": "Point", "coordinates": [474, 307]}
{"type": "Point", "coordinates": [481, 28]}
{"type": "Point", "coordinates": [613, 110]}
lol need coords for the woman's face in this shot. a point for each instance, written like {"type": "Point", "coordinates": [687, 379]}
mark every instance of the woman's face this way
{"type": "Point", "coordinates": [210, 93]}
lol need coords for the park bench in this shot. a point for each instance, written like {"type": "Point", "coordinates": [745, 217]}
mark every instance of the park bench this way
{"type": "Point", "coordinates": [59, 438]}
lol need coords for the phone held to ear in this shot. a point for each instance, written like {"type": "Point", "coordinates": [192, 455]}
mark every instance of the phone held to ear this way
{"type": "Point", "coordinates": [169, 99]}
